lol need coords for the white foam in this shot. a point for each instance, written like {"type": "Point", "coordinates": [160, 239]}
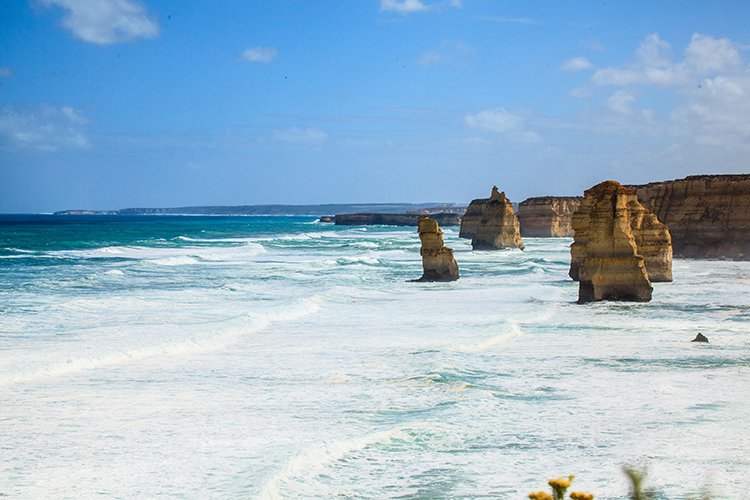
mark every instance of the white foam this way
{"type": "Point", "coordinates": [196, 345]}
{"type": "Point", "coordinates": [514, 330]}
{"type": "Point", "coordinates": [313, 460]}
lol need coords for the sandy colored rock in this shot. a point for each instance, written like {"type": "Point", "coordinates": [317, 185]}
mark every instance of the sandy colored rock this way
{"type": "Point", "coordinates": [437, 260]}
{"type": "Point", "coordinates": [708, 215]}
{"type": "Point", "coordinates": [548, 216]}
{"type": "Point", "coordinates": [491, 223]}
{"type": "Point", "coordinates": [608, 264]}
{"type": "Point", "coordinates": [652, 238]}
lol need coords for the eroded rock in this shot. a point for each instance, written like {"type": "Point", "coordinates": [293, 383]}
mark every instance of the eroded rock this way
{"type": "Point", "coordinates": [438, 262]}
{"type": "Point", "coordinates": [491, 223]}
{"type": "Point", "coordinates": [548, 216]}
{"type": "Point", "coordinates": [604, 255]}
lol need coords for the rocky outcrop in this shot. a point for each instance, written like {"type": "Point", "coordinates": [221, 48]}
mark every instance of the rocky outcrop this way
{"type": "Point", "coordinates": [491, 223]}
{"type": "Point", "coordinates": [370, 219]}
{"type": "Point", "coordinates": [548, 216]}
{"type": "Point", "coordinates": [327, 218]}
{"type": "Point", "coordinates": [652, 238]}
{"type": "Point", "coordinates": [437, 259]}
{"type": "Point", "coordinates": [604, 254]}
{"type": "Point", "coordinates": [708, 215]}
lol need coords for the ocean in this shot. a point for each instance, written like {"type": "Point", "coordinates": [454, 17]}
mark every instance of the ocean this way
{"type": "Point", "coordinates": [278, 357]}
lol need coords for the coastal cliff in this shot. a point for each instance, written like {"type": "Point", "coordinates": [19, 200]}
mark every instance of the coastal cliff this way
{"type": "Point", "coordinates": [438, 263]}
{"type": "Point", "coordinates": [548, 216]}
{"type": "Point", "coordinates": [491, 223]}
{"type": "Point", "coordinates": [708, 215]}
{"type": "Point", "coordinates": [369, 219]}
{"type": "Point", "coordinates": [604, 254]}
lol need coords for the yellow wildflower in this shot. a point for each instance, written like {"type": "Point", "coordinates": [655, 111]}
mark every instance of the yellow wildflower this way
{"type": "Point", "coordinates": [540, 495]}
{"type": "Point", "coordinates": [559, 483]}
{"type": "Point", "coordinates": [580, 495]}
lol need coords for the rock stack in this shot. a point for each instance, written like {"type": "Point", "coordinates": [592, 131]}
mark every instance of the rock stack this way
{"type": "Point", "coordinates": [548, 216]}
{"type": "Point", "coordinates": [491, 223]}
{"type": "Point", "coordinates": [606, 257]}
{"type": "Point", "coordinates": [437, 259]}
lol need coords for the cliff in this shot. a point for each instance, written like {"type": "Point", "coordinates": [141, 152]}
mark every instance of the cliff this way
{"type": "Point", "coordinates": [437, 260]}
{"type": "Point", "coordinates": [491, 223]}
{"type": "Point", "coordinates": [548, 216]}
{"type": "Point", "coordinates": [708, 215]}
{"type": "Point", "coordinates": [369, 219]}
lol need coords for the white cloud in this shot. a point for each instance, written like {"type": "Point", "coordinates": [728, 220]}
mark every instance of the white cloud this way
{"type": "Point", "coordinates": [47, 129]}
{"type": "Point", "coordinates": [706, 54]}
{"type": "Point", "coordinates": [449, 52]}
{"type": "Point", "coordinates": [306, 136]}
{"type": "Point", "coordinates": [495, 120]}
{"type": "Point", "coordinates": [654, 64]}
{"type": "Point", "coordinates": [503, 122]}
{"type": "Point", "coordinates": [5, 72]}
{"type": "Point", "coordinates": [577, 64]}
{"type": "Point", "coordinates": [410, 6]}
{"type": "Point", "coordinates": [402, 6]}
{"type": "Point", "coordinates": [509, 20]}
{"type": "Point", "coordinates": [106, 22]}
{"type": "Point", "coordinates": [429, 58]}
{"type": "Point", "coordinates": [260, 54]}
{"type": "Point", "coordinates": [621, 102]}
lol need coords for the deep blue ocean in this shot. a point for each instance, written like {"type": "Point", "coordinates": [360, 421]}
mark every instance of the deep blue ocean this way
{"type": "Point", "coordinates": [280, 357]}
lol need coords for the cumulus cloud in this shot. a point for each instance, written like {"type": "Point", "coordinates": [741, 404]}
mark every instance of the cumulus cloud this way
{"type": "Point", "coordinates": [621, 102]}
{"type": "Point", "coordinates": [5, 72]}
{"type": "Point", "coordinates": [106, 22]}
{"type": "Point", "coordinates": [260, 54]}
{"type": "Point", "coordinates": [46, 129]}
{"type": "Point", "coordinates": [577, 64]}
{"type": "Point", "coordinates": [410, 6]}
{"type": "Point", "coordinates": [501, 121]}
{"type": "Point", "coordinates": [654, 64]}
{"type": "Point", "coordinates": [306, 136]}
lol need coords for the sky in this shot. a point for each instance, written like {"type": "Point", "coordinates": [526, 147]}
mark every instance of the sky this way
{"type": "Point", "coordinates": [109, 104]}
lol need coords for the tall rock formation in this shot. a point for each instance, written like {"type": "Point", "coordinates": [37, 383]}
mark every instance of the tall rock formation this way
{"type": "Point", "coordinates": [437, 259]}
{"type": "Point", "coordinates": [491, 223]}
{"type": "Point", "coordinates": [604, 255]}
{"type": "Point", "coordinates": [548, 216]}
{"type": "Point", "coordinates": [652, 238]}
{"type": "Point", "coordinates": [708, 215]}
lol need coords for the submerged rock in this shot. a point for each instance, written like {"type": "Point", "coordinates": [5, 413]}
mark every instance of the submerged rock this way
{"type": "Point", "coordinates": [548, 216]}
{"type": "Point", "coordinates": [604, 255]}
{"type": "Point", "coordinates": [491, 223]}
{"type": "Point", "coordinates": [700, 338]}
{"type": "Point", "coordinates": [437, 260]}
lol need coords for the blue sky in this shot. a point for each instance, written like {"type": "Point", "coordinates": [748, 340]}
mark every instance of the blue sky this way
{"type": "Point", "coordinates": [122, 103]}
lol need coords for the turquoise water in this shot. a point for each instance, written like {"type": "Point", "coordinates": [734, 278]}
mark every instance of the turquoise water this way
{"type": "Point", "coordinates": [277, 357]}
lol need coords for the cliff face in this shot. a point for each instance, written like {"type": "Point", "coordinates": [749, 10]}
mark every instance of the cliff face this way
{"type": "Point", "coordinates": [369, 219]}
{"type": "Point", "coordinates": [437, 260]}
{"type": "Point", "coordinates": [548, 216]}
{"type": "Point", "coordinates": [491, 223]}
{"type": "Point", "coordinates": [604, 255]}
{"type": "Point", "coordinates": [708, 215]}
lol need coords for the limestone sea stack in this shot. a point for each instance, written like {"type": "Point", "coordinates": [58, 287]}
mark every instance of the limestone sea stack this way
{"type": "Point", "coordinates": [607, 263]}
{"type": "Point", "coordinates": [548, 216]}
{"type": "Point", "coordinates": [652, 238]}
{"type": "Point", "coordinates": [437, 259]}
{"type": "Point", "coordinates": [491, 223]}
{"type": "Point", "coordinates": [708, 215]}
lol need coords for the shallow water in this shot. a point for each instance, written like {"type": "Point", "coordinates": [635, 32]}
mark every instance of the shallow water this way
{"type": "Point", "coordinates": [276, 357]}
